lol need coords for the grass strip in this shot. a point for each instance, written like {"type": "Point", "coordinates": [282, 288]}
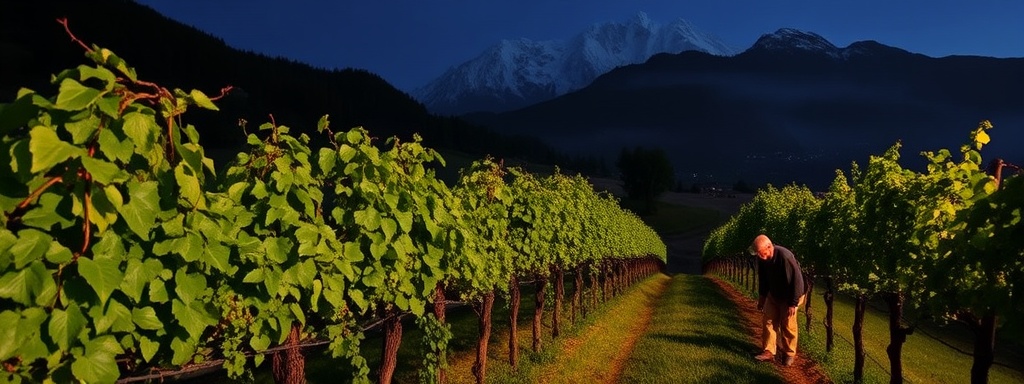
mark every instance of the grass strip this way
{"type": "Point", "coordinates": [584, 353]}
{"type": "Point", "coordinates": [696, 336]}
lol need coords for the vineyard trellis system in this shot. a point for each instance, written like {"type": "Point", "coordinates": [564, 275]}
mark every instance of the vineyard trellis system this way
{"type": "Point", "coordinates": [948, 241]}
{"type": "Point", "coordinates": [124, 250]}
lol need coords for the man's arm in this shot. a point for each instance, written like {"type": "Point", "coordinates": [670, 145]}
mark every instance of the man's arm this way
{"type": "Point", "coordinates": [797, 285]}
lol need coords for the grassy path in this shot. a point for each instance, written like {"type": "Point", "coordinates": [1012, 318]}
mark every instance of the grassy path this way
{"type": "Point", "coordinates": [696, 336]}
{"type": "Point", "coordinates": [598, 353]}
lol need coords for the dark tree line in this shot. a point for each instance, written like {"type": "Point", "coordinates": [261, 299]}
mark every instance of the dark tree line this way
{"type": "Point", "coordinates": [646, 174]}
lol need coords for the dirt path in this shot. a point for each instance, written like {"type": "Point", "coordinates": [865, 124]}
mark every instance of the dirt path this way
{"type": "Point", "coordinates": [643, 321]}
{"type": "Point", "coordinates": [804, 370]}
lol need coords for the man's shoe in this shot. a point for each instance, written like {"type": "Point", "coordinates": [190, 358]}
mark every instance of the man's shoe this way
{"type": "Point", "coordinates": [787, 361]}
{"type": "Point", "coordinates": [764, 356]}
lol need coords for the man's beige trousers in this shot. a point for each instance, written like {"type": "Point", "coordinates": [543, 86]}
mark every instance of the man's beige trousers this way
{"type": "Point", "coordinates": [779, 334]}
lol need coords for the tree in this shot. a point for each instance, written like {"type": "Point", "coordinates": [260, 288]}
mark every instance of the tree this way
{"type": "Point", "coordinates": [646, 174]}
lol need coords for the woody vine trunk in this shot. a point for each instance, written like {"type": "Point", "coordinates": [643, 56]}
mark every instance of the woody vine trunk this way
{"type": "Point", "coordinates": [577, 293]}
{"type": "Point", "coordinates": [484, 311]}
{"type": "Point", "coordinates": [392, 339]}
{"type": "Point", "coordinates": [984, 347]}
{"type": "Point", "coordinates": [439, 312]}
{"type": "Point", "coordinates": [829, 300]}
{"type": "Point", "coordinates": [860, 304]}
{"type": "Point", "coordinates": [289, 365]}
{"type": "Point", "coordinates": [897, 336]}
{"type": "Point", "coordinates": [538, 312]}
{"type": "Point", "coordinates": [809, 280]}
{"type": "Point", "coordinates": [513, 314]}
{"type": "Point", "coordinates": [559, 292]}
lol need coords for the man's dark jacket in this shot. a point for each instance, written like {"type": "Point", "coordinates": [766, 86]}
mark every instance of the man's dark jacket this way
{"type": "Point", "coordinates": [781, 277]}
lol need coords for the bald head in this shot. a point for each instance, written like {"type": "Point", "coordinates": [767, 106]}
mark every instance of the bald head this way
{"type": "Point", "coordinates": [764, 247]}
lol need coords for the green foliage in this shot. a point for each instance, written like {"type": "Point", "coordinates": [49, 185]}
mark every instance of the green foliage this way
{"type": "Point", "coordinates": [121, 251]}
{"type": "Point", "coordinates": [949, 239]}
{"type": "Point", "coordinates": [435, 341]}
{"type": "Point", "coordinates": [105, 236]}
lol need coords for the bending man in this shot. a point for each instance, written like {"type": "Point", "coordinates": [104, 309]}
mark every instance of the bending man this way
{"type": "Point", "coordinates": [780, 291]}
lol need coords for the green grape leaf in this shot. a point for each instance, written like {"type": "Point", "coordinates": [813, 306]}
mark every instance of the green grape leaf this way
{"type": "Point", "coordinates": [32, 284]}
{"type": "Point", "coordinates": [188, 184]}
{"type": "Point", "coordinates": [193, 317]}
{"type": "Point", "coordinates": [148, 347]}
{"type": "Point", "coordinates": [135, 279]}
{"type": "Point", "coordinates": [104, 275]}
{"type": "Point", "coordinates": [345, 267]}
{"type": "Point", "coordinates": [66, 325]}
{"type": "Point", "coordinates": [254, 276]}
{"type": "Point", "coordinates": [352, 252]}
{"type": "Point", "coordinates": [358, 299]}
{"type": "Point", "coordinates": [368, 218]}
{"type": "Point", "coordinates": [98, 365]}
{"type": "Point", "coordinates": [146, 318]}
{"type": "Point", "coordinates": [10, 337]}
{"type": "Point", "coordinates": [48, 150]}
{"type": "Point", "coordinates": [272, 280]}
{"type": "Point", "coordinates": [306, 272]}
{"type": "Point", "coordinates": [202, 100]}
{"type": "Point", "coordinates": [142, 130]}
{"type": "Point", "coordinates": [346, 153]}
{"type": "Point", "coordinates": [108, 104]}
{"type": "Point", "coordinates": [297, 311]}
{"type": "Point", "coordinates": [217, 255]}
{"type": "Point", "coordinates": [308, 238]}
{"type": "Point", "coordinates": [82, 130]}
{"type": "Point", "coordinates": [373, 276]}
{"type": "Point", "coordinates": [116, 318]}
{"type": "Point", "coordinates": [259, 342]}
{"type": "Point", "coordinates": [142, 207]}
{"type": "Point", "coordinates": [73, 96]}
{"type": "Point", "coordinates": [327, 160]}
{"type": "Point", "coordinates": [108, 78]}
{"type": "Point", "coordinates": [389, 226]}
{"type": "Point", "coordinates": [314, 299]}
{"type": "Point", "coordinates": [158, 291]}
{"type": "Point", "coordinates": [31, 245]}
{"type": "Point", "coordinates": [104, 172]}
{"type": "Point", "coordinates": [111, 146]}
{"type": "Point", "coordinates": [30, 335]}
{"type": "Point", "coordinates": [183, 350]}
{"type": "Point", "coordinates": [277, 248]}
{"type": "Point", "coordinates": [189, 286]}
{"type": "Point", "coordinates": [58, 254]}
{"type": "Point", "coordinates": [404, 220]}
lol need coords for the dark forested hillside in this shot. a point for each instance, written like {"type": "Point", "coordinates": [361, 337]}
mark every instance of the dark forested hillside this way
{"type": "Point", "coordinates": [33, 46]}
{"type": "Point", "coordinates": [781, 115]}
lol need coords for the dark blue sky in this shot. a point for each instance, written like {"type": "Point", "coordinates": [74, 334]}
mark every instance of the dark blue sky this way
{"type": "Point", "coordinates": [409, 43]}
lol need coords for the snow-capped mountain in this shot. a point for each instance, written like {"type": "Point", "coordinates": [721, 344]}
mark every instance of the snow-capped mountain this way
{"type": "Point", "coordinates": [516, 73]}
{"type": "Point", "coordinates": [789, 41]}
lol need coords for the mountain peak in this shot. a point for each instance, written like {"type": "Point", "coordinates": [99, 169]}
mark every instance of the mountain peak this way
{"type": "Point", "coordinates": [794, 40]}
{"type": "Point", "coordinates": [642, 19]}
{"type": "Point", "coordinates": [519, 72]}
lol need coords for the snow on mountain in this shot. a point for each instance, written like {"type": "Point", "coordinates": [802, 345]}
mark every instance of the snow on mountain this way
{"type": "Point", "coordinates": [788, 39]}
{"type": "Point", "coordinates": [516, 73]}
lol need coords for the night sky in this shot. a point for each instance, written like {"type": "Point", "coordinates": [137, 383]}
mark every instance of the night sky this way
{"type": "Point", "coordinates": [409, 43]}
